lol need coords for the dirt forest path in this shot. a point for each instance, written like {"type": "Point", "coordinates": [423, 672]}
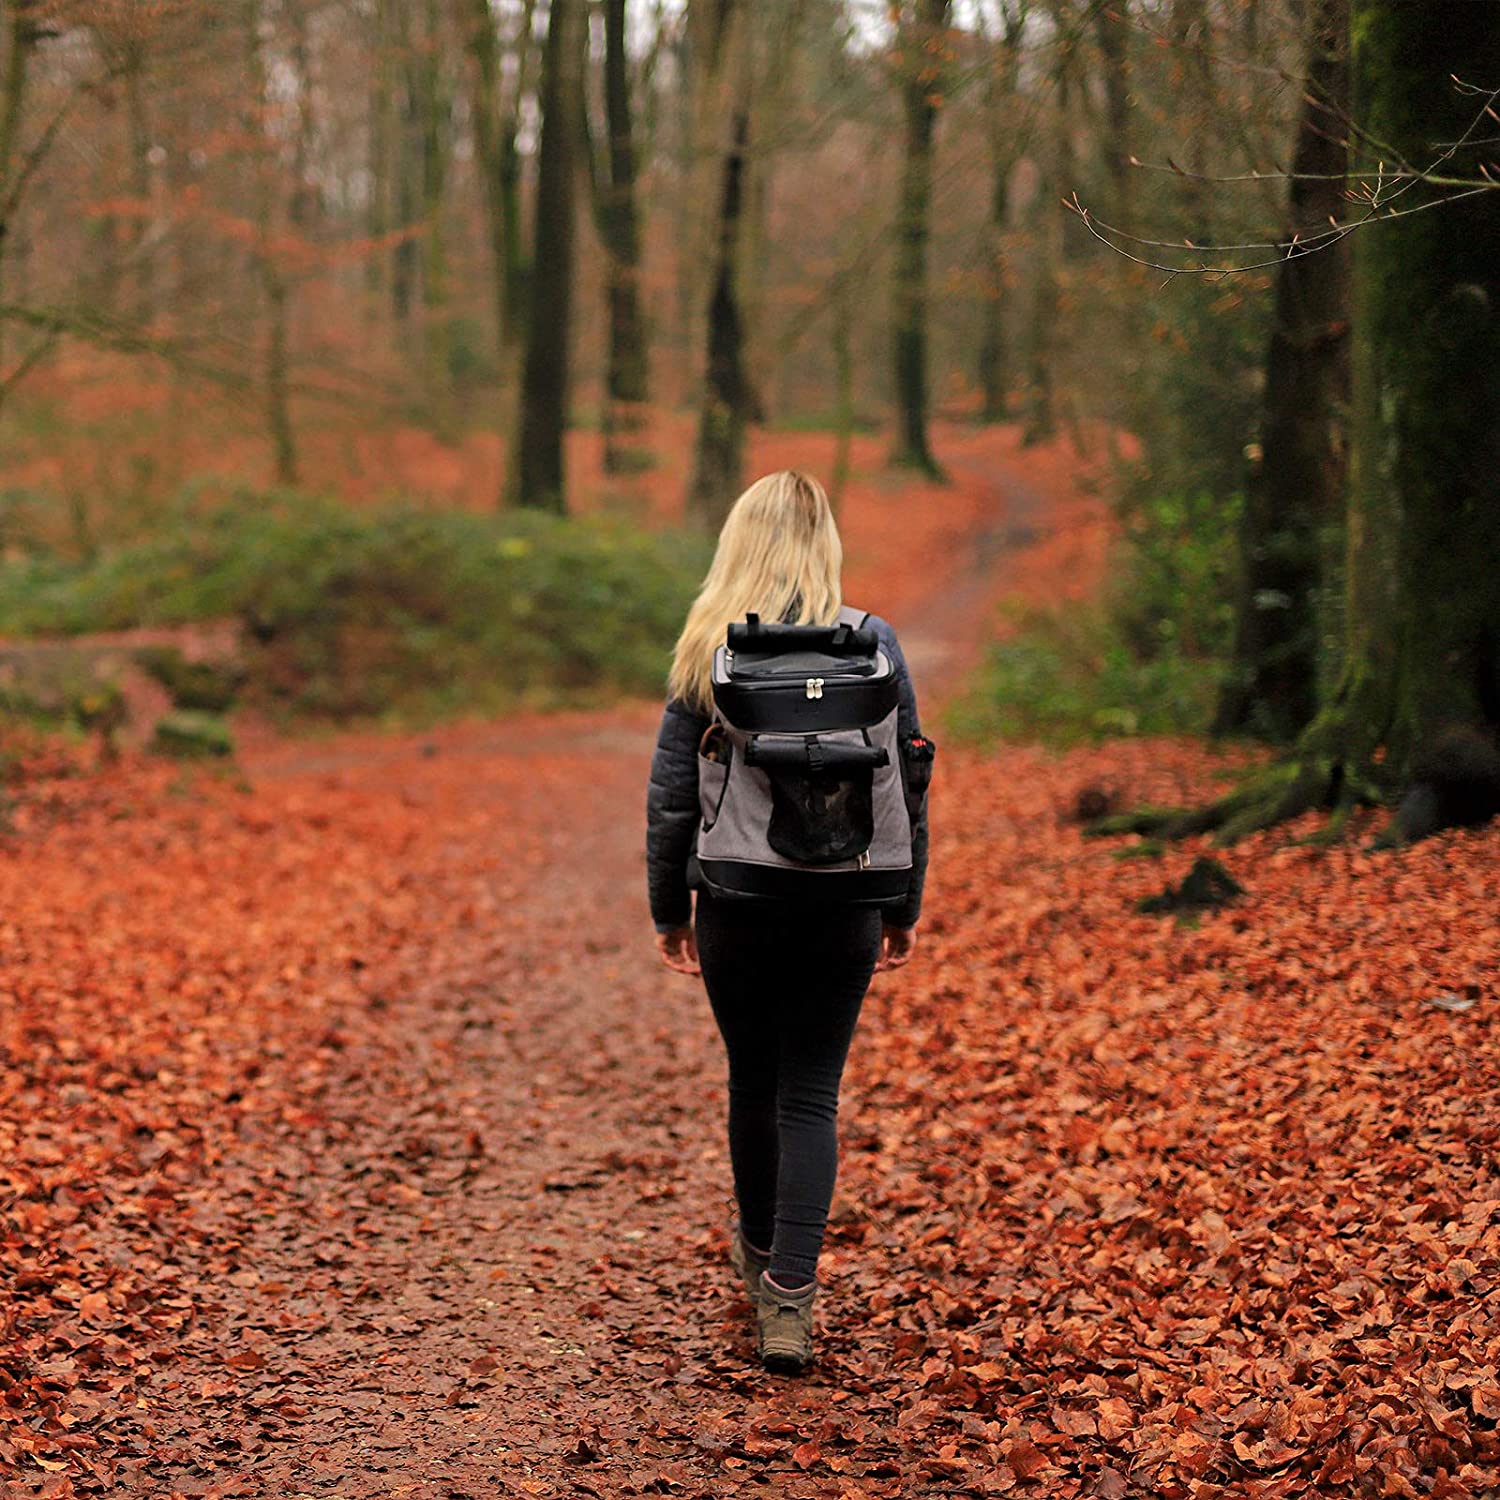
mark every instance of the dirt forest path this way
{"type": "Point", "coordinates": [355, 1145]}
{"type": "Point", "coordinates": [504, 1204]}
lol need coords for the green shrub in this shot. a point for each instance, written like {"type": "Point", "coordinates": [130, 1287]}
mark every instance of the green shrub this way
{"type": "Point", "coordinates": [1068, 677]}
{"type": "Point", "coordinates": [358, 612]}
{"type": "Point", "coordinates": [1174, 591]}
{"type": "Point", "coordinates": [1147, 658]}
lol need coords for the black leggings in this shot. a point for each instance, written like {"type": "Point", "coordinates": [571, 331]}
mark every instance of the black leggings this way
{"type": "Point", "coordinates": [786, 984]}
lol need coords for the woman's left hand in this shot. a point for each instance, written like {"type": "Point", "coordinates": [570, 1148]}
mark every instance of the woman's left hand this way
{"type": "Point", "coordinates": [896, 947]}
{"type": "Point", "coordinates": [679, 949]}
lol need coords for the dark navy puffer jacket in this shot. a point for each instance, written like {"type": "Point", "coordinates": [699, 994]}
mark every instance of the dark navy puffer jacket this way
{"type": "Point", "coordinates": [672, 813]}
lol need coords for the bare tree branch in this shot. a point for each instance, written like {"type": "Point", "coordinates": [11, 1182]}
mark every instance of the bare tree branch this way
{"type": "Point", "coordinates": [1388, 186]}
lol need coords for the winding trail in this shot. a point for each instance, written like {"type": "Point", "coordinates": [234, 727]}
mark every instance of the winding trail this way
{"type": "Point", "coordinates": [517, 1161]}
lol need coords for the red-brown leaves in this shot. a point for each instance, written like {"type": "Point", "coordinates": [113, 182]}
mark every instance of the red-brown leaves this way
{"type": "Point", "coordinates": [352, 1143]}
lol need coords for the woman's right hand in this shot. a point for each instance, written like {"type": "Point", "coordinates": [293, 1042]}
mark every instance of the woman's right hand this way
{"type": "Point", "coordinates": [896, 947]}
{"type": "Point", "coordinates": [679, 949]}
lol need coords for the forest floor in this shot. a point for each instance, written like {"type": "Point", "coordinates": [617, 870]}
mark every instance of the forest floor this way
{"type": "Point", "coordinates": [353, 1143]}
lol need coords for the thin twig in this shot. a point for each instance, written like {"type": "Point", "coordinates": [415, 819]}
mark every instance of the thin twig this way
{"type": "Point", "coordinates": [1296, 248]}
{"type": "Point", "coordinates": [1300, 244]}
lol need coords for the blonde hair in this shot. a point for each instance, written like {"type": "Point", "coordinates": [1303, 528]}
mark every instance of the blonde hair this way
{"type": "Point", "coordinates": [779, 549]}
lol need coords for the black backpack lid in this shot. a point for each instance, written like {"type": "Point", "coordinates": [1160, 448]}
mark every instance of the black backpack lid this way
{"type": "Point", "coordinates": [850, 693]}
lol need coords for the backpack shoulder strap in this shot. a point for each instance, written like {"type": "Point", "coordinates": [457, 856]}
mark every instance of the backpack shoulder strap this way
{"type": "Point", "coordinates": [851, 616]}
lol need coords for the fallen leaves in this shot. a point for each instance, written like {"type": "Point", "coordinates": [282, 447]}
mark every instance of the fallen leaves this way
{"type": "Point", "coordinates": [1224, 1193]}
{"type": "Point", "coordinates": [350, 1141]}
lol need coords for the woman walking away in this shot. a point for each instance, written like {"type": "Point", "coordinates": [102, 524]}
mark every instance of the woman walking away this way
{"type": "Point", "coordinates": [788, 789]}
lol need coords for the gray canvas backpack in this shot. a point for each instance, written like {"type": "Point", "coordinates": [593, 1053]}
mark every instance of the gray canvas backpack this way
{"type": "Point", "coordinates": [801, 780]}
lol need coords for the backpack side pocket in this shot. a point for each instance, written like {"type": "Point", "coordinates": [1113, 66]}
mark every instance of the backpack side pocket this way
{"type": "Point", "coordinates": [715, 751]}
{"type": "Point", "coordinates": [917, 755]}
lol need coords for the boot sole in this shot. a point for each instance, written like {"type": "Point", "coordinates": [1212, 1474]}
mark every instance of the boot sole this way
{"type": "Point", "coordinates": [784, 1364]}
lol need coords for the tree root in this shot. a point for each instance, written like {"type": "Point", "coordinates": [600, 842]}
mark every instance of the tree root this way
{"type": "Point", "coordinates": [1272, 795]}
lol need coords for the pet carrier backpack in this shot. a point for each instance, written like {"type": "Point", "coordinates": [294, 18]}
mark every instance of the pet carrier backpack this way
{"type": "Point", "coordinates": [803, 786]}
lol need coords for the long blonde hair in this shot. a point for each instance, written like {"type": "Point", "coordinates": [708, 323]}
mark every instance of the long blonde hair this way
{"type": "Point", "coordinates": [779, 548]}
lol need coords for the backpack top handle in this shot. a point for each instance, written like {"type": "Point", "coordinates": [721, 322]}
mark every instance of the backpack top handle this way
{"type": "Point", "coordinates": [842, 639]}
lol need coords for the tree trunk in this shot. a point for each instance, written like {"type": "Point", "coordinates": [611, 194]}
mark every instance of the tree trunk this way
{"type": "Point", "coordinates": [517, 272]}
{"type": "Point", "coordinates": [21, 38]}
{"type": "Point", "coordinates": [773, 94]}
{"type": "Point", "coordinates": [718, 468]}
{"type": "Point", "coordinates": [406, 173]}
{"type": "Point", "coordinates": [1041, 336]}
{"type": "Point", "coordinates": [434, 111]}
{"type": "Point", "coordinates": [138, 239]}
{"type": "Point", "coordinates": [537, 465]}
{"type": "Point", "coordinates": [269, 273]}
{"type": "Point", "coordinates": [1192, 38]}
{"type": "Point", "coordinates": [626, 374]}
{"type": "Point", "coordinates": [419, 273]}
{"type": "Point", "coordinates": [1428, 371]}
{"type": "Point", "coordinates": [994, 355]}
{"type": "Point", "coordinates": [123, 239]}
{"type": "Point", "coordinates": [714, 33]}
{"type": "Point", "coordinates": [920, 44]}
{"type": "Point", "coordinates": [498, 160]}
{"type": "Point", "coordinates": [1112, 32]}
{"type": "Point", "coordinates": [994, 359]}
{"type": "Point", "coordinates": [304, 194]}
{"type": "Point", "coordinates": [1295, 492]}
{"type": "Point", "coordinates": [382, 153]}
{"type": "Point", "coordinates": [843, 374]}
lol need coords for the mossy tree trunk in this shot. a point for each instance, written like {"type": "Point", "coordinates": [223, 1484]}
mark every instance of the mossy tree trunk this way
{"type": "Point", "coordinates": [1428, 371]}
{"type": "Point", "coordinates": [1422, 602]}
{"type": "Point", "coordinates": [537, 463]}
{"type": "Point", "coordinates": [920, 46]}
{"type": "Point", "coordinates": [1297, 487]}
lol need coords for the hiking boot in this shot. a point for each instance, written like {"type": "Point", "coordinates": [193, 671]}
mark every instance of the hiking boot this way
{"type": "Point", "coordinates": [748, 1261]}
{"type": "Point", "coordinates": [786, 1326]}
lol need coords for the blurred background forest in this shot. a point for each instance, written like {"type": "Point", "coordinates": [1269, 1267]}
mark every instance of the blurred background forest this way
{"type": "Point", "coordinates": [478, 264]}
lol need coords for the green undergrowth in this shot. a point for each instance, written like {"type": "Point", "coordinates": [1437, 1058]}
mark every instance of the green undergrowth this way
{"type": "Point", "coordinates": [398, 611]}
{"type": "Point", "coordinates": [1145, 658]}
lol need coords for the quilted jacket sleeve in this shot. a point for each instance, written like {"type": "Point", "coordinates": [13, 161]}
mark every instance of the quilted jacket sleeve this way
{"type": "Point", "coordinates": [906, 913]}
{"type": "Point", "coordinates": [672, 814]}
